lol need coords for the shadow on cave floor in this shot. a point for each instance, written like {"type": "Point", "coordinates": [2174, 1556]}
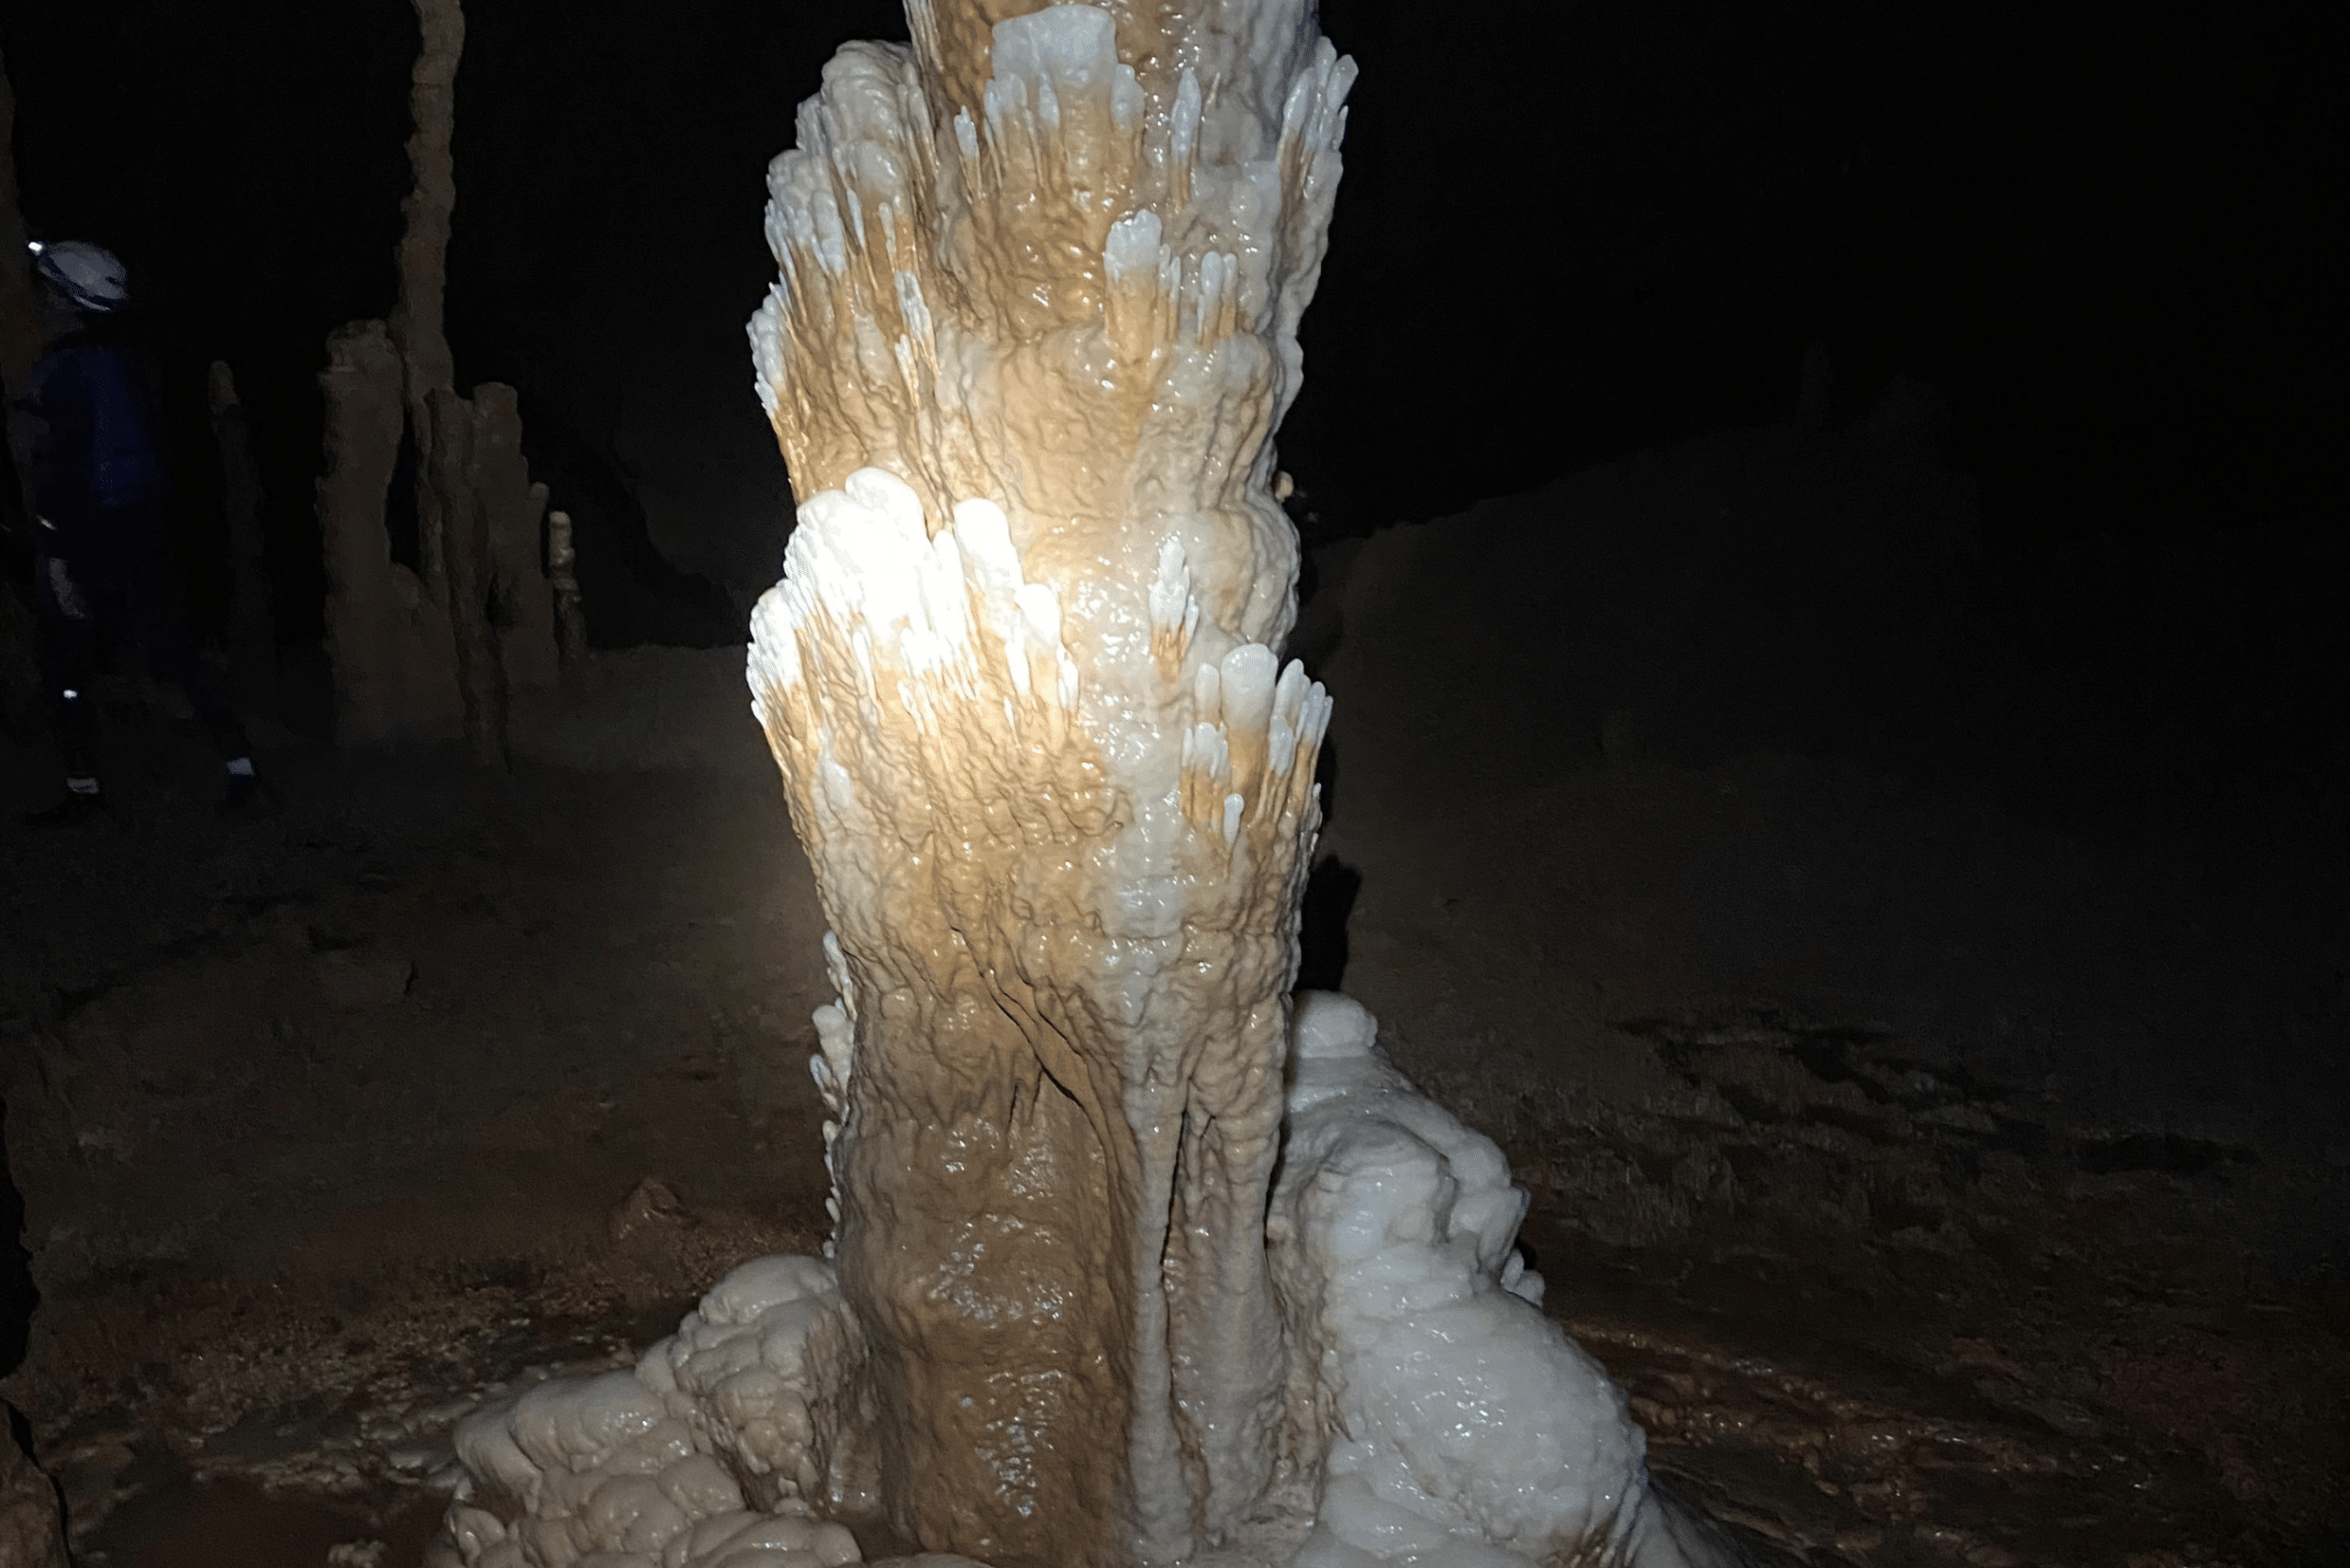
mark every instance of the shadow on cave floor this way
{"type": "Point", "coordinates": [1947, 1174]}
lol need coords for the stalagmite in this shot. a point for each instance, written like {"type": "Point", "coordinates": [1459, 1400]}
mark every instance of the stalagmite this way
{"type": "Point", "coordinates": [563, 573]}
{"type": "Point", "coordinates": [395, 662]}
{"type": "Point", "coordinates": [19, 322]}
{"type": "Point", "coordinates": [451, 542]}
{"type": "Point", "coordinates": [1041, 276]}
{"type": "Point", "coordinates": [478, 513]}
{"type": "Point", "coordinates": [451, 430]}
{"type": "Point", "coordinates": [521, 593]}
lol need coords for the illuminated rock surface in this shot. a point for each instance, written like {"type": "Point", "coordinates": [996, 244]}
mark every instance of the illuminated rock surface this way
{"type": "Point", "coordinates": [1041, 278]}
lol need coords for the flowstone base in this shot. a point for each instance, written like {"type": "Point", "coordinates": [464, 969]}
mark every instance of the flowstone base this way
{"type": "Point", "coordinates": [1434, 1418]}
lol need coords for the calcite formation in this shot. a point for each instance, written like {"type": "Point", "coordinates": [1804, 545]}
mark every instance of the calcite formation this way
{"type": "Point", "coordinates": [1041, 276]}
{"type": "Point", "coordinates": [1431, 1416]}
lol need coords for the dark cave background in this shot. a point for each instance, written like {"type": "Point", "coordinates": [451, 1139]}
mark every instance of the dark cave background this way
{"type": "Point", "coordinates": [2088, 245]}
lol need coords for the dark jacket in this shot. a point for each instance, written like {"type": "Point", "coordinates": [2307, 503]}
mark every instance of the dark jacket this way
{"type": "Point", "coordinates": [97, 446]}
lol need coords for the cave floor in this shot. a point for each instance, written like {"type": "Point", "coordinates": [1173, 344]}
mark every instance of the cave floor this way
{"type": "Point", "coordinates": [1944, 1188]}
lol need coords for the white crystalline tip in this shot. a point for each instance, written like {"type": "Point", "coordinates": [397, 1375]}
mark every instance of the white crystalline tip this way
{"type": "Point", "coordinates": [1074, 45]}
{"type": "Point", "coordinates": [1207, 693]}
{"type": "Point", "coordinates": [945, 600]}
{"type": "Point", "coordinates": [985, 535]}
{"type": "Point", "coordinates": [1327, 1026]}
{"type": "Point", "coordinates": [1183, 125]}
{"type": "Point", "coordinates": [1205, 749]}
{"type": "Point", "coordinates": [775, 646]}
{"type": "Point", "coordinates": [859, 551]}
{"type": "Point", "coordinates": [1132, 247]}
{"type": "Point", "coordinates": [1247, 681]}
{"type": "Point", "coordinates": [1289, 695]}
{"type": "Point", "coordinates": [914, 307]}
{"type": "Point", "coordinates": [766, 333]}
{"type": "Point", "coordinates": [1040, 608]}
{"type": "Point", "coordinates": [1171, 588]}
{"type": "Point", "coordinates": [1126, 101]}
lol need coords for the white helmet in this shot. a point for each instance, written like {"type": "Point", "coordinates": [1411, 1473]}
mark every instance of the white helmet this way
{"type": "Point", "coordinates": [89, 277]}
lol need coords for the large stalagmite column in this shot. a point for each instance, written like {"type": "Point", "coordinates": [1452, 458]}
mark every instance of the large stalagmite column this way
{"type": "Point", "coordinates": [1041, 279]}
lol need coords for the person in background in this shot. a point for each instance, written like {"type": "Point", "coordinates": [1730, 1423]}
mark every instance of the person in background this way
{"type": "Point", "coordinates": [103, 557]}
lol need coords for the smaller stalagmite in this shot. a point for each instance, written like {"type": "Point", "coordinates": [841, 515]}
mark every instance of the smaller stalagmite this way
{"type": "Point", "coordinates": [435, 651]}
{"type": "Point", "coordinates": [387, 634]}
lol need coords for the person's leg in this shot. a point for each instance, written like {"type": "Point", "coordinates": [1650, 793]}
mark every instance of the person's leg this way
{"type": "Point", "coordinates": [69, 664]}
{"type": "Point", "coordinates": [171, 654]}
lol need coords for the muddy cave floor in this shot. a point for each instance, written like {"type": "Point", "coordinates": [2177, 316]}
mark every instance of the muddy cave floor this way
{"type": "Point", "coordinates": [1946, 1186]}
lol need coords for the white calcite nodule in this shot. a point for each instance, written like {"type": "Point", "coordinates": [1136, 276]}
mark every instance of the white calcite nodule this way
{"type": "Point", "coordinates": [1041, 276]}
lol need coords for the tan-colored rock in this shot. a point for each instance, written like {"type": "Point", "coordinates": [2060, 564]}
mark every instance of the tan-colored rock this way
{"type": "Point", "coordinates": [388, 637]}
{"type": "Point", "coordinates": [452, 427]}
{"type": "Point", "coordinates": [521, 596]}
{"type": "Point", "coordinates": [1041, 277]}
